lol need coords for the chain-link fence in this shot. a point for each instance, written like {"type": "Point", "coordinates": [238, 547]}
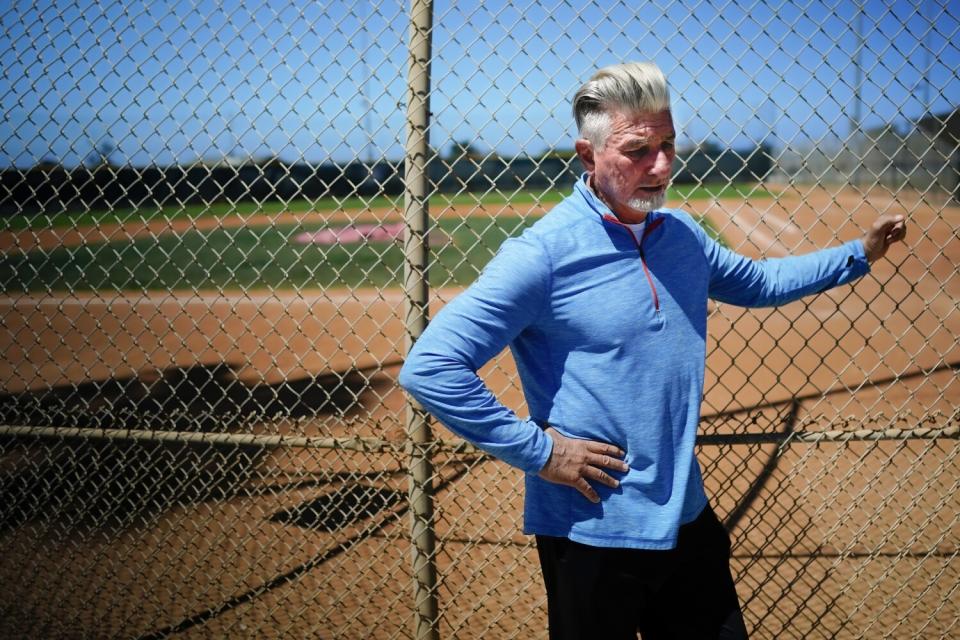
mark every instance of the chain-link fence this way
{"type": "Point", "coordinates": [223, 224]}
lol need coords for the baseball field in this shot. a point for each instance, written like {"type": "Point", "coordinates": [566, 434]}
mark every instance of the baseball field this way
{"type": "Point", "coordinates": [225, 324]}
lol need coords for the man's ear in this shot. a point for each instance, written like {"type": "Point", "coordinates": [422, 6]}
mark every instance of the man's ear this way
{"type": "Point", "coordinates": [585, 152]}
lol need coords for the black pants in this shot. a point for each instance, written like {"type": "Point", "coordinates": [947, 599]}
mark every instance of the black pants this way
{"type": "Point", "coordinates": [685, 593]}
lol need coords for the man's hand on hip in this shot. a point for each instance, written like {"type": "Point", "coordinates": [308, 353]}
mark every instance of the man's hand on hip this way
{"type": "Point", "coordinates": [574, 462]}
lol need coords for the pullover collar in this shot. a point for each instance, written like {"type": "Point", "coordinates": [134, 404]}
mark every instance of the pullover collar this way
{"type": "Point", "coordinates": [597, 205]}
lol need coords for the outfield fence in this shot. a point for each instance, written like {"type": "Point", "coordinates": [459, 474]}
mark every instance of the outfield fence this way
{"type": "Point", "coordinates": [224, 226]}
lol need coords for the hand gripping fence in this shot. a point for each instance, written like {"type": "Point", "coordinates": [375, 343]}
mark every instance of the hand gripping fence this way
{"type": "Point", "coordinates": [224, 225]}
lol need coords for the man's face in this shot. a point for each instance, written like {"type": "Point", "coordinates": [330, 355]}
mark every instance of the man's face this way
{"type": "Point", "coordinates": [632, 171]}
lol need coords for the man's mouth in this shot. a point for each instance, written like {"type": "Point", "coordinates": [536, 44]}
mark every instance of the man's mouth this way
{"type": "Point", "coordinates": [653, 190]}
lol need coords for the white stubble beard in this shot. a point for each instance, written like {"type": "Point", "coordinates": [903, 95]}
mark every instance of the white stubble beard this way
{"type": "Point", "coordinates": [648, 204]}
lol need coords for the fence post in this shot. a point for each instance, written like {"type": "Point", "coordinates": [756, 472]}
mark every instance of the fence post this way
{"type": "Point", "coordinates": [416, 255]}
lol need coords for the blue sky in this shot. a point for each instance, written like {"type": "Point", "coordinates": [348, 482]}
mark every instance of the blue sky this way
{"type": "Point", "coordinates": [179, 81]}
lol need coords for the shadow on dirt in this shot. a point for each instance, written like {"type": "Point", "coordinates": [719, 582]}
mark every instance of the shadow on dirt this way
{"type": "Point", "coordinates": [199, 398]}
{"type": "Point", "coordinates": [345, 505]}
{"type": "Point", "coordinates": [778, 417]}
{"type": "Point", "coordinates": [81, 482]}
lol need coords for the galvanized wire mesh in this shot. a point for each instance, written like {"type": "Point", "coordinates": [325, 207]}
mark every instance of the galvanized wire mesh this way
{"type": "Point", "coordinates": [206, 298]}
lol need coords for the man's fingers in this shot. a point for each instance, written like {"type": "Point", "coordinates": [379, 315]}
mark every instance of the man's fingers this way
{"type": "Point", "coordinates": [603, 478]}
{"type": "Point", "coordinates": [609, 463]}
{"type": "Point", "coordinates": [897, 231]}
{"type": "Point", "coordinates": [604, 448]}
{"type": "Point", "coordinates": [609, 456]}
{"type": "Point", "coordinates": [891, 224]}
{"type": "Point", "coordinates": [584, 487]}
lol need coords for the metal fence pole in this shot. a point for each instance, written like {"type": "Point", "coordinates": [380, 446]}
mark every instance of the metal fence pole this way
{"type": "Point", "coordinates": [416, 252]}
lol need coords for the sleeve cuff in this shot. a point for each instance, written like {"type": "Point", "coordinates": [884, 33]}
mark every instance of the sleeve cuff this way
{"type": "Point", "coordinates": [539, 449]}
{"type": "Point", "coordinates": [857, 264]}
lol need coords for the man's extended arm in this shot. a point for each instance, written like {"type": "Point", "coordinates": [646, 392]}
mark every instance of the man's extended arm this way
{"type": "Point", "coordinates": [760, 283]}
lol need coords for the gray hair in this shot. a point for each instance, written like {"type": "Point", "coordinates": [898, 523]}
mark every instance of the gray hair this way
{"type": "Point", "coordinates": [632, 87]}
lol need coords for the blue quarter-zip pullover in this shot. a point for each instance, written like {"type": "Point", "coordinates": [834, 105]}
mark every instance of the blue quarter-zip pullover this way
{"type": "Point", "coordinates": [608, 331]}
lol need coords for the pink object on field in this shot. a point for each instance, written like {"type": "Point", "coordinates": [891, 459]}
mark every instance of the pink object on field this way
{"type": "Point", "coordinates": [353, 234]}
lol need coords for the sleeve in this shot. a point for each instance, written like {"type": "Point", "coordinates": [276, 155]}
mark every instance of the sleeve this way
{"type": "Point", "coordinates": [440, 371]}
{"type": "Point", "coordinates": [775, 281]}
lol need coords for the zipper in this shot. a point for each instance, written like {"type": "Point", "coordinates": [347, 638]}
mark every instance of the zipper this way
{"type": "Point", "coordinates": [647, 230]}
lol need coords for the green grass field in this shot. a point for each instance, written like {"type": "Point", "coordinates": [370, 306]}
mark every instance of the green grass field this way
{"type": "Point", "coordinates": [678, 195]}
{"type": "Point", "coordinates": [263, 257]}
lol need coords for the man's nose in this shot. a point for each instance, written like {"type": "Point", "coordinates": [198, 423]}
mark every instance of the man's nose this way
{"type": "Point", "coordinates": [662, 164]}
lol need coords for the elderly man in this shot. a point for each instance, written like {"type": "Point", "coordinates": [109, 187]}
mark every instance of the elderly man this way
{"type": "Point", "coordinates": [603, 303]}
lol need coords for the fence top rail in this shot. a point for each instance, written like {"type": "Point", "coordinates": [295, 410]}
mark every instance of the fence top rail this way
{"type": "Point", "coordinates": [833, 435]}
{"type": "Point", "coordinates": [951, 430]}
{"type": "Point", "coordinates": [269, 441]}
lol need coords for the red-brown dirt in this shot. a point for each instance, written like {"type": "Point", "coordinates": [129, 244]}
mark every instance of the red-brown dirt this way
{"type": "Point", "coordinates": [853, 540]}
